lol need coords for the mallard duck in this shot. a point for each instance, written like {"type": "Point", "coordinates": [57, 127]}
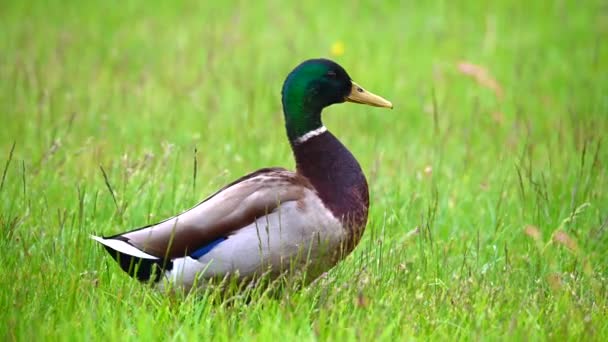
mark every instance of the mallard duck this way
{"type": "Point", "coordinates": [272, 220]}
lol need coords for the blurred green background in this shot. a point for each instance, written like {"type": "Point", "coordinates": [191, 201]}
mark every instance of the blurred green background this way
{"type": "Point", "coordinates": [495, 152]}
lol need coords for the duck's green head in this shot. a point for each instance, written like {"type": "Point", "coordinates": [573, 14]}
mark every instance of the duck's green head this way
{"type": "Point", "coordinates": [314, 85]}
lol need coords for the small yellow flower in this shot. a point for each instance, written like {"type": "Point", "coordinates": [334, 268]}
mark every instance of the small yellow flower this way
{"type": "Point", "coordinates": [337, 48]}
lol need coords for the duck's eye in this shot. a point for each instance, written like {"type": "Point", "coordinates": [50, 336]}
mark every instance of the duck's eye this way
{"type": "Point", "coordinates": [331, 74]}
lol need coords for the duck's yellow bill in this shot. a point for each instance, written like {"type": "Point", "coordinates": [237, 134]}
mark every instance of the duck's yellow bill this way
{"type": "Point", "coordinates": [360, 95]}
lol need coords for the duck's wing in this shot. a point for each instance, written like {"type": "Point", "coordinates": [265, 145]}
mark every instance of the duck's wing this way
{"type": "Point", "coordinates": [233, 207]}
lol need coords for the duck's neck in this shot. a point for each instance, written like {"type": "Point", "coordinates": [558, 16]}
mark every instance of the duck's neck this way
{"type": "Point", "coordinates": [320, 157]}
{"type": "Point", "coordinates": [336, 175]}
{"type": "Point", "coordinates": [301, 114]}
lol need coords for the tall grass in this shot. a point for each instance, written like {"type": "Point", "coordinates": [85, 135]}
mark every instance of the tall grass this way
{"type": "Point", "coordinates": [489, 208]}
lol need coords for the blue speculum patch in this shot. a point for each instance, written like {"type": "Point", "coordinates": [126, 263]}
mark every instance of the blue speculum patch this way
{"type": "Point", "coordinates": [206, 248]}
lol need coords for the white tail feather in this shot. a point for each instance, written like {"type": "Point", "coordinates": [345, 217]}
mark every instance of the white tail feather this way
{"type": "Point", "coordinates": [124, 248]}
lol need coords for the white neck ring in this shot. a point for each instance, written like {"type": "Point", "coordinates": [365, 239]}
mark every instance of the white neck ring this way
{"type": "Point", "coordinates": [302, 139]}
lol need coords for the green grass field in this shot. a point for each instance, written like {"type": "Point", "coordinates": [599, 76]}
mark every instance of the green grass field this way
{"type": "Point", "coordinates": [506, 182]}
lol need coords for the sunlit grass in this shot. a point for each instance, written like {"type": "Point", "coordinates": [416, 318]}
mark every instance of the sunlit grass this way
{"type": "Point", "coordinates": [488, 180]}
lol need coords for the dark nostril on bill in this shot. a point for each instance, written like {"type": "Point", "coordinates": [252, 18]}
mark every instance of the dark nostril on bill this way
{"type": "Point", "coordinates": [360, 90]}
